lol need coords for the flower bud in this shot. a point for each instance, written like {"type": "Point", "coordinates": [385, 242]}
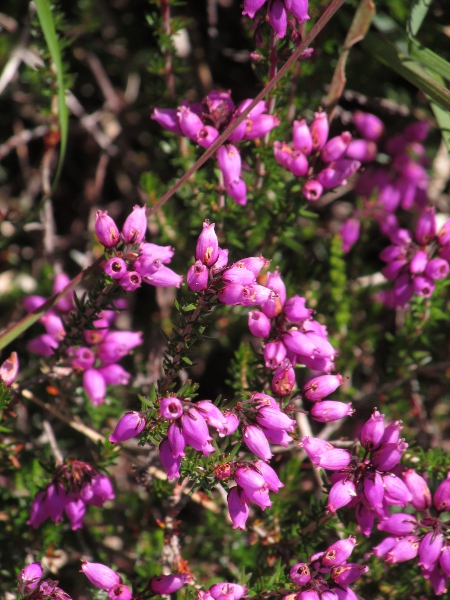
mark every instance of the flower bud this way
{"type": "Point", "coordinates": [168, 584]}
{"type": "Point", "coordinates": [319, 130]}
{"type": "Point", "coordinates": [277, 15]}
{"type": "Point", "coordinates": [418, 262]}
{"type": "Point", "coordinates": [437, 268]}
{"type": "Point", "coordinates": [398, 524]}
{"type": "Point", "coordinates": [341, 494]}
{"type": "Point", "coordinates": [94, 385]}
{"type": "Point", "coordinates": [338, 552]}
{"type": "Point", "coordinates": [302, 140]}
{"type": "Point", "coordinates": [300, 574]}
{"type": "Point", "coordinates": [207, 250]}
{"type": "Point", "coordinates": [64, 304]}
{"type": "Point", "coordinates": [106, 230]}
{"type": "Point", "coordinates": [395, 491]}
{"type": "Point", "coordinates": [233, 591]}
{"type": "Point", "coordinates": [334, 460]}
{"type": "Point", "coordinates": [237, 190]}
{"type": "Point", "coordinates": [115, 267]}
{"type": "Point", "coordinates": [388, 456]}
{"type": "Point", "coordinates": [164, 277]}
{"type": "Point", "coordinates": [362, 150]}
{"type": "Point", "coordinates": [75, 509]}
{"type": "Point", "coordinates": [283, 379]}
{"type": "Point", "coordinates": [170, 408]}
{"type": "Point", "coordinates": [423, 286]}
{"type": "Point", "coordinates": [190, 123]}
{"type": "Point", "coordinates": [312, 190]}
{"type": "Point", "coordinates": [135, 226]}
{"type": "Point", "coordinates": [229, 161]}
{"type": "Point", "coordinates": [404, 549]}
{"type": "Point", "coordinates": [114, 375]}
{"type": "Point", "coordinates": [129, 426]}
{"type": "Point", "coordinates": [274, 354]}
{"type": "Point", "coordinates": [368, 125]}
{"type": "Point", "coordinates": [441, 498]}
{"type": "Point", "coordinates": [329, 410]}
{"type": "Point", "coordinates": [206, 136]}
{"type": "Point", "coordinates": [258, 324]}
{"type": "Point", "coordinates": [238, 507]}
{"type": "Point", "coordinates": [171, 464]}
{"type": "Point", "coordinates": [430, 549]}
{"type": "Point", "coordinates": [348, 573]}
{"type": "Point", "coordinates": [131, 281]}
{"type": "Point", "coordinates": [100, 575]}
{"type": "Point", "coordinates": [259, 125]}
{"type": "Point", "coordinates": [256, 442]}
{"type": "Point", "coordinates": [418, 488]}
{"type": "Point", "coordinates": [197, 277]}
{"type": "Point", "coordinates": [167, 118]}
{"type": "Point", "coordinates": [119, 591]}
{"type": "Point", "coordinates": [298, 165]}
{"type": "Point", "coordinates": [295, 309]}
{"type": "Point", "coordinates": [425, 230]}
{"type": "Point", "coordinates": [322, 386]}
{"type": "Point", "coordinates": [372, 431]}
{"type": "Point", "coordinates": [29, 577]}
{"type": "Point", "coordinates": [335, 147]}
{"type": "Point", "coordinates": [350, 233]}
{"type": "Point", "coordinates": [9, 369]}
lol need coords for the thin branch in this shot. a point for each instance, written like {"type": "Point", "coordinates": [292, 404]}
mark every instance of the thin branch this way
{"type": "Point", "coordinates": [327, 15]}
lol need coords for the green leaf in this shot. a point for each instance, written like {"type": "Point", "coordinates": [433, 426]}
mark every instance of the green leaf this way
{"type": "Point", "coordinates": [430, 59]}
{"type": "Point", "coordinates": [416, 16]}
{"type": "Point", "coordinates": [46, 21]}
{"type": "Point", "coordinates": [187, 360]}
{"type": "Point", "coordinates": [405, 66]}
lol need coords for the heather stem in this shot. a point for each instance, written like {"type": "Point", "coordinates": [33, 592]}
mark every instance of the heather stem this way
{"type": "Point", "coordinates": [172, 364]}
{"type": "Point", "coordinates": [168, 72]}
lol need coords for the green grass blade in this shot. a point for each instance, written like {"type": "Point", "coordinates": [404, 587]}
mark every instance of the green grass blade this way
{"type": "Point", "coordinates": [408, 68]}
{"type": "Point", "coordinates": [430, 59]}
{"type": "Point", "coordinates": [416, 16]}
{"type": "Point", "coordinates": [46, 21]}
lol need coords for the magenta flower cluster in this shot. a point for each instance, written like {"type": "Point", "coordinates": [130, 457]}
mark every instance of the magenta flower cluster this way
{"type": "Point", "coordinates": [234, 284]}
{"type": "Point", "coordinates": [106, 579]}
{"type": "Point", "coordinates": [325, 163]}
{"type": "Point", "coordinates": [290, 336]}
{"type": "Point", "coordinates": [138, 261]}
{"type": "Point", "coordinates": [46, 343]}
{"type": "Point", "coordinates": [204, 122]}
{"type": "Point", "coordinates": [366, 484]}
{"type": "Point", "coordinates": [327, 575]}
{"type": "Point", "coordinates": [188, 427]}
{"type": "Point", "coordinates": [325, 411]}
{"type": "Point", "coordinates": [278, 12]}
{"type": "Point", "coordinates": [415, 263]}
{"type": "Point", "coordinates": [74, 485]}
{"type": "Point", "coordinates": [98, 360]}
{"type": "Point", "coordinates": [386, 187]}
{"type": "Point", "coordinates": [223, 591]}
{"type": "Point", "coordinates": [423, 534]}
{"type": "Point", "coordinates": [254, 480]}
{"type": "Point", "coordinates": [30, 585]}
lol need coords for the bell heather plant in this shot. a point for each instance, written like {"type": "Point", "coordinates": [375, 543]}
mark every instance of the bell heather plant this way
{"type": "Point", "coordinates": [224, 378]}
